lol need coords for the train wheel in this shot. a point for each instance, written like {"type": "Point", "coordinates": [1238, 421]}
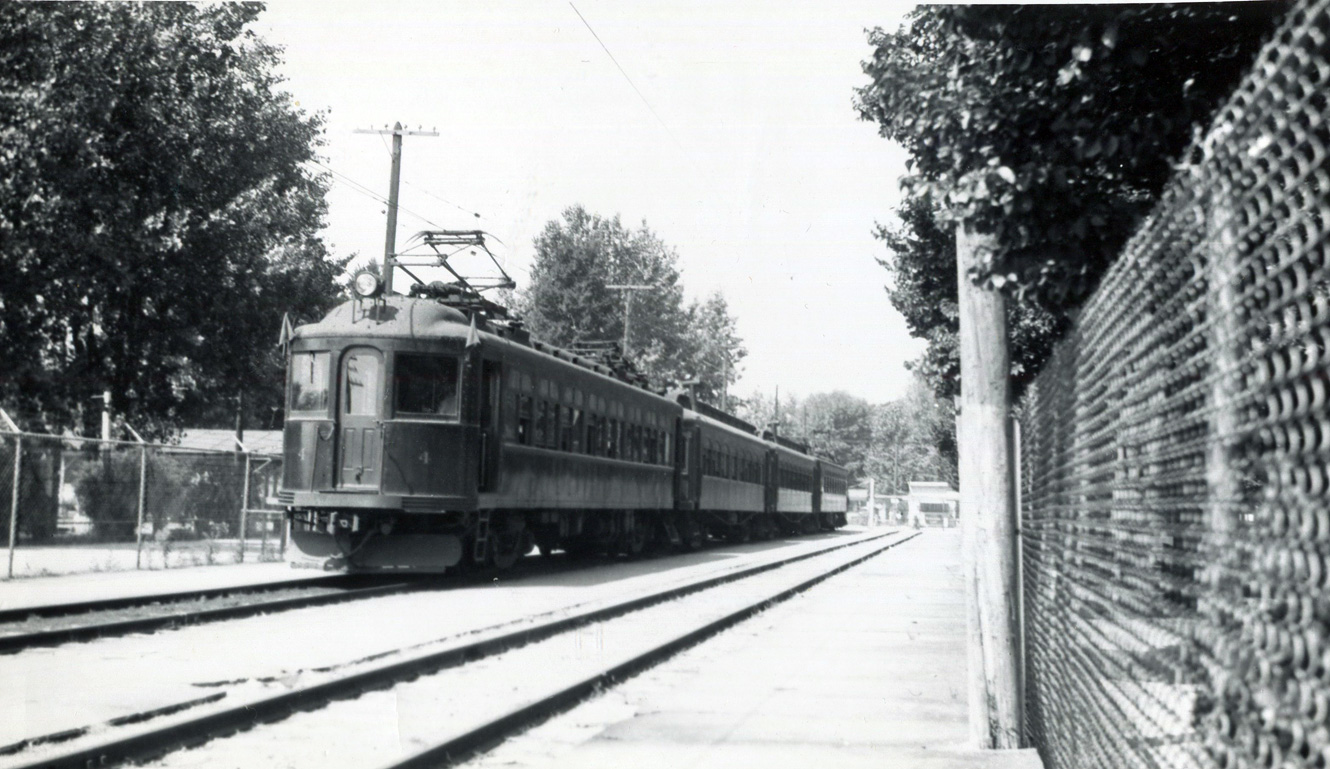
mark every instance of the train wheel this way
{"type": "Point", "coordinates": [738, 533]}
{"type": "Point", "coordinates": [509, 541]}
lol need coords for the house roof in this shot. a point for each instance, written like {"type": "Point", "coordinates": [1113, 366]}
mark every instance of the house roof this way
{"type": "Point", "coordinates": [257, 441]}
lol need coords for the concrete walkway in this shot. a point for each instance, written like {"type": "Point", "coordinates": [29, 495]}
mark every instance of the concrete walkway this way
{"type": "Point", "coordinates": [865, 670]}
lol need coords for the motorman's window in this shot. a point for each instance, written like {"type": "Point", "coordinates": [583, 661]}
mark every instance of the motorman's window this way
{"type": "Point", "coordinates": [309, 382]}
{"type": "Point", "coordinates": [427, 385]}
{"type": "Point", "coordinates": [364, 372]}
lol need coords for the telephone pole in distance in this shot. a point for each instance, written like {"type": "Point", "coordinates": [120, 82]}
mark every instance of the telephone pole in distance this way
{"type": "Point", "coordinates": [628, 307]}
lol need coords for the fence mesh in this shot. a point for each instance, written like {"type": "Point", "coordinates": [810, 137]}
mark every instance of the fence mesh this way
{"type": "Point", "coordinates": [86, 505]}
{"type": "Point", "coordinates": [1176, 459]}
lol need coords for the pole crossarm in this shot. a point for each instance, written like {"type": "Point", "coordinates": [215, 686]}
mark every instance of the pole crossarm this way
{"type": "Point", "coordinates": [396, 131]}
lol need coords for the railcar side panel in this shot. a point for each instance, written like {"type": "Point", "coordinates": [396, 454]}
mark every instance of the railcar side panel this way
{"type": "Point", "coordinates": [731, 467]}
{"type": "Point", "coordinates": [430, 460]}
{"type": "Point", "coordinates": [794, 476]}
{"type": "Point", "coordinates": [536, 478]}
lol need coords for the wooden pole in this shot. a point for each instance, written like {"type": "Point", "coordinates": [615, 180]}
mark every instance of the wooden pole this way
{"type": "Point", "coordinates": [988, 520]}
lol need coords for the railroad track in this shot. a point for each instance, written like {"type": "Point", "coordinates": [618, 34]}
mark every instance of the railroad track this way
{"type": "Point", "coordinates": [173, 609]}
{"type": "Point", "coordinates": [198, 722]}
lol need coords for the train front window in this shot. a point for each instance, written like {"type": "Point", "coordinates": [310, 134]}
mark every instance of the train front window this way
{"type": "Point", "coordinates": [361, 383]}
{"type": "Point", "coordinates": [427, 385]}
{"type": "Point", "coordinates": [309, 382]}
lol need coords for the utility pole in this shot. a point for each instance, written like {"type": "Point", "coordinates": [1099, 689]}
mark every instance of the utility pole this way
{"type": "Point", "coordinates": [988, 515]}
{"type": "Point", "coordinates": [628, 307]}
{"type": "Point", "coordinates": [390, 242]}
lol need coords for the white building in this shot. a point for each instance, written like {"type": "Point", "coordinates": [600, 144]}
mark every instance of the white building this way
{"type": "Point", "coordinates": [933, 503]}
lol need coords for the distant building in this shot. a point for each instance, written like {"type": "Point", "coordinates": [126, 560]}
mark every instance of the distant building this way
{"type": "Point", "coordinates": [933, 503]}
{"type": "Point", "coordinates": [257, 441]}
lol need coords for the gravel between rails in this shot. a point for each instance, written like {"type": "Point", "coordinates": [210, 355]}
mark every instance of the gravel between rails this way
{"type": "Point", "coordinates": [249, 705]}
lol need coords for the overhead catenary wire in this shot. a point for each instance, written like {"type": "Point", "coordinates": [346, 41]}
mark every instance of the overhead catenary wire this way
{"type": "Point", "coordinates": [624, 72]}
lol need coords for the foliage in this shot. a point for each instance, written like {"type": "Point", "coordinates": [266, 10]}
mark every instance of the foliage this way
{"type": "Point", "coordinates": [1054, 127]}
{"type": "Point", "coordinates": [911, 438]}
{"type": "Point", "coordinates": [567, 302]}
{"type": "Point", "coordinates": [922, 261]}
{"type": "Point", "coordinates": [39, 504]}
{"type": "Point", "coordinates": [200, 492]}
{"type": "Point", "coordinates": [156, 215]}
{"type": "Point", "coordinates": [914, 439]}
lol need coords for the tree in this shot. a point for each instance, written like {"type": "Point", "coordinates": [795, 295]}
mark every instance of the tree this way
{"type": "Point", "coordinates": [838, 426]}
{"type": "Point", "coordinates": [568, 303]}
{"type": "Point", "coordinates": [1054, 127]}
{"type": "Point", "coordinates": [914, 438]}
{"type": "Point", "coordinates": [922, 260]}
{"type": "Point", "coordinates": [156, 212]}
{"type": "Point", "coordinates": [1050, 128]}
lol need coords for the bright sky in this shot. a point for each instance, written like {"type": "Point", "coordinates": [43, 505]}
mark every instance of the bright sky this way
{"type": "Point", "coordinates": [750, 159]}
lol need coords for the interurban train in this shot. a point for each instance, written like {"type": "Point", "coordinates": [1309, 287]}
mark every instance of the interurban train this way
{"type": "Point", "coordinates": [428, 431]}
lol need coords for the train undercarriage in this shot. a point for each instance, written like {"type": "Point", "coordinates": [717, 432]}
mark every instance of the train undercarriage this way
{"type": "Point", "coordinates": [367, 540]}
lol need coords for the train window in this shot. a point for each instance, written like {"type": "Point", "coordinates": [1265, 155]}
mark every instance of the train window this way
{"type": "Point", "coordinates": [612, 439]}
{"type": "Point", "coordinates": [579, 424]}
{"type": "Point", "coordinates": [426, 384]}
{"type": "Point", "coordinates": [360, 391]}
{"type": "Point", "coordinates": [542, 422]}
{"type": "Point", "coordinates": [309, 382]}
{"type": "Point", "coordinates": [524, 420]}
{"type": "Point", "coordinates": [565, 428]}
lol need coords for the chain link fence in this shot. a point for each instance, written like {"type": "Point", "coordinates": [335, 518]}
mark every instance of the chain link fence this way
{"type": "Point", "coordinates": [1176, 459]}
{"type": "Point", "coordinates": [89, 505]}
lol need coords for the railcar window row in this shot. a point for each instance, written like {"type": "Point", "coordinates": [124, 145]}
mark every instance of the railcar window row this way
{"type": "Point", "coordinates": [720, 461]}
{"type": "Point", "coordinates": [834, 484]}
{"type": "Point", "coordinates": [796, 480]}
{"type": "Point", "coordinates": [571, 420]}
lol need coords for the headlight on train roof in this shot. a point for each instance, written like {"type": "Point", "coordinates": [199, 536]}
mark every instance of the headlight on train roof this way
{"type": "Point", "coordinates": [366, 284]}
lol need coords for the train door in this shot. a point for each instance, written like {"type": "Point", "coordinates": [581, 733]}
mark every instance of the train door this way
{"type": "Point", "coordinates": [687, 477]}
{"type": "Point", "coordinates": [771, 478]}
{"type": "Point", "coordinates": [360, 419]}
{"type": "Point", "coordinates": [490, 426]}
{"type": "Point", "coordinates": [817, 487]}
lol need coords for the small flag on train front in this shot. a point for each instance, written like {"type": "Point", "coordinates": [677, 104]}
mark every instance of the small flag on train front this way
{"type": "Point", "coordinates": [472, 336]}
{"type": "Point", "coordinates": [284, 338]}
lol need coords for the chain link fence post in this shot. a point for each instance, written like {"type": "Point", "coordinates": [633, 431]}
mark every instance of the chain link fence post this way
{"type": "Point", "coordinates": [244, 507]}
{"type": "Point", "coordinates": [143, 493]}
{"type": "Point", "coordinates": [13, 503]}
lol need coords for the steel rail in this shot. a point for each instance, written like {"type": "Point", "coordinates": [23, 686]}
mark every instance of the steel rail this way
{"type": "Point", "coordinates": [150, 744]}
{"type": "Point", "coordinates": [17, 642]}
{"type": "Point", "coordinates": [474, 741]}
{"type": "Point", "coordinates": [18, 614]}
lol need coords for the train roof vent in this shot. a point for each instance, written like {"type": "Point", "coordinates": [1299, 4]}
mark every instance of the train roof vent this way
{"type": "Point", "coordinates": [793, 445]}
{"type": "Point", "coordinates": [708, 410]}
{"type": "Point", "coordinates": [610, 355]}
